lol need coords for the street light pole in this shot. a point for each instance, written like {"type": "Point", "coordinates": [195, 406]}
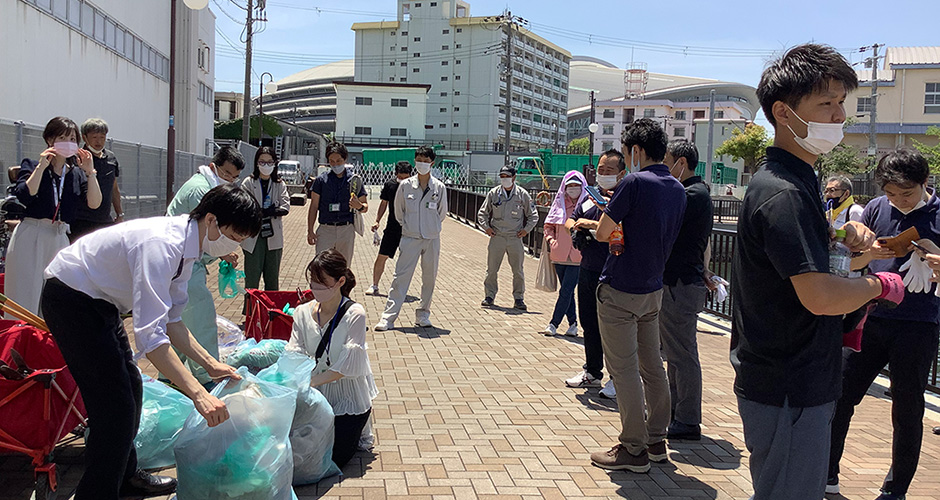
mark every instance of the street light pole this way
{"type": "Point", "coordinates": [271, 87]}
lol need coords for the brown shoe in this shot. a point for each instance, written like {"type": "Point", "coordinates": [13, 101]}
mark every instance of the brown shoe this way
{"type": "Point", "coordinates": [618, 458]}
{"type": "Point", "coordinates": [657, 452]}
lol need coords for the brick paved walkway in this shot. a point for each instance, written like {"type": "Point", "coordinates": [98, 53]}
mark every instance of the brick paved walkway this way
{"type": "Point", "coordinates": [477, 407]}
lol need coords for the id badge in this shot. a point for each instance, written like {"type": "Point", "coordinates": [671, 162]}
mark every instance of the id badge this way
{"type": "Point", "coordinates": [432, 205]}
{"type": "Point", "coordinates": [334, 207]}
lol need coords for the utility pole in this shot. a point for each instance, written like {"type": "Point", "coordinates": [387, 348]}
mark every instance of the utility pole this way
{"type": "Point", "coordinates": [507, 25]}
{"type": "Point", "coordinates": [171, 129]}
{"type": "Point", "coordinates": [873, 116]}
{"type": "Point", "coordinates": [246, 109]}
{"type": "Point", "coordinates": [711, 138]}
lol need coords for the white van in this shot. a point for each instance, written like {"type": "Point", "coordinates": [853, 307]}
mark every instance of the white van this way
{"type": "Point", "coordinates": [289, 171]}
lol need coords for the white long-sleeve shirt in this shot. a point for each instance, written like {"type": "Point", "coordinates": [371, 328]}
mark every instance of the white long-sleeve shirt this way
{"type": "Point", "coordinates": [142, 265]}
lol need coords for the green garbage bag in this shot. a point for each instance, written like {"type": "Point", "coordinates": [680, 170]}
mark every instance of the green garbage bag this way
{"type": "Point", "coordinates": [312, 430]}
{"type": "Point", "coordinates": [161, 419]}
{"type": "Point", "coordinates": [229, 287]}
{"type": "Point", "coordinates": [256, 355]}
{"type": "Point", "coordinates": [249, 455]}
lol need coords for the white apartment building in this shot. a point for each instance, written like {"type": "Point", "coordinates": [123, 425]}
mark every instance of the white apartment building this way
{"type": "Point", "coordinates": [109, 59]}
{"type": "Point", "coordinates": [438, 43]}
{"type": "Point", "coordinates": [380, 113]}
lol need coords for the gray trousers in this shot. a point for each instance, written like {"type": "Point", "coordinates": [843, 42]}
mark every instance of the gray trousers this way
{"type": "Point", "coordinates": [629, 325]}
{"type": "Point", "coordinates": [342, 238]}
{"type": "Point", "coordinates": [678, 322]}
{"type": "Point", "coordinates": [512, 247]}
{"type": "Point", "coordinates": [409, 251]}
{"type": "Point", "coordinates": [789, 449]}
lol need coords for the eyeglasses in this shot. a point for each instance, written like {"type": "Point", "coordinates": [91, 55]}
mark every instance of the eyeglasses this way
{"type": "Point", "coordinates": [832, 190]}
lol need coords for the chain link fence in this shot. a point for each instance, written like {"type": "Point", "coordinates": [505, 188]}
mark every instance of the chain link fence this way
{"type": "Point", "coordinates": [143, 168]}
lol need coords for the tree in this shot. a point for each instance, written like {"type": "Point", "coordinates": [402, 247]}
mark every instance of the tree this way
{"type": "Point", "coordinates": [579, 146]}
{"type": "Point", "coordinates": [842, 159]}
{"type": "Point", "coordinates": [749, 145]}
{"type": "Point", "coordinates": [932, 153]}
{"type": "Point", "coordinates": [232, 129]}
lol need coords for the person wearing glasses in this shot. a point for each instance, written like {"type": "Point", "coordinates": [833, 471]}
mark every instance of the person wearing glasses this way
{"type": "Point", "coordinates": [839, 199]}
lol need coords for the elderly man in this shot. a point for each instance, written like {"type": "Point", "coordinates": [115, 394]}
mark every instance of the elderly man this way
{"type": "Point", "coordinates": [839, 199]}
{"type": "Point", "coordinates": [87, 220]}
{"type": "Point", "coordinates": [508, 214]}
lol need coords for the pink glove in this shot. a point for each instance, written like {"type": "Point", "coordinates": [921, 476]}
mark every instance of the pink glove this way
{"type": "Point", "coordinates": [892, 287]}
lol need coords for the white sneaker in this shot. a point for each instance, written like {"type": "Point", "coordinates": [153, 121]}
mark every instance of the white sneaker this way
{"type": "Point", "coordinates": [550, 330]}
{"type": "Point", "coordinates": [608, 391]}
{"type": "Point", "coordinates": [572, 330]}
{"type": "Point", "coordinates": [373, 290]}
{"type": "Point", "coordinates": [583, 379]}
{"type": "Point", "coordinates": [382, 326]}
{"type": "Point", "coordinates": [424, 323]}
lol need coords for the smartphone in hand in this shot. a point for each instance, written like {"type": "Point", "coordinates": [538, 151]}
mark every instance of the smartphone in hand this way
{"type": "Point", "coordinates": [595, 195]}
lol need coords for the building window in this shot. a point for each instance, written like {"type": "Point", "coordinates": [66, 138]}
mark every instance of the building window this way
{"type": "Point", "coordinates": [403, 79]}
{"type": "Point", "coordinates": [392, 33]}
{"type": "Point", "coordinates": [608, 130]}
{"type": "Point", "coordinates": [404, 64]}
{"type": "Point", "coordinates": [445, 47]}
{"type": "Point", "coordinates": [457, 61]}
{"type": "Point", "coordinates": [678, 132]}
{"type": "Point", "coordinates": [391, 78]}
{"type": "Point", "coordinates": [649, 113]}
{"type": "Point", "coordinates": [932, 98]}
{"type": "Point", "coordinates": [404, 49]}
{"type": "Point", "coordinates": [444, 63]}
{"type": "Point", "coordinates": [443, 110]}
{"type": "Point", "coordinates": [456, 109]}
{"type": "Point", "coordinates": [415, 70]}
{"type": "Point", "coordinates": [404, 33]}
{"type": "Point", "coordinates": [458, 45]}
{"type": "Point", "coordinates": [445, 32]}
{"type": "Point", "coordinates": [398, 132]}
{"type": "Point", "coordinates": [417, 38]}
{"type": "Point", "coordinates": [698, 115]}
{"type": "Point", "coordinates": [443, 78]}
{"type": "Point", "coordinates": [459, 30]}
{"type": "Point", "coordinates": [608, 113]}
{"type": "Point", "coordinates": [363, 130]}
{"type": "Point", "coordinates": [392, 49]}
{"type": "Point", "coordinates": [443, 94]}
{"type": "Point", "coordinates": [607, 145]}
{"type": "Point", "coordinates": [363, 101]}
{"type": "Point", "coordinates": [456, 77]}
{"type": "Point", "coordinates": [719, 114]}
{"type": "Point", "coordinates": [456, 92]}
{"type": "Point", "coordinates": [456, 125]}
{"type": "Point", "coordinates": [417, 54]}
{"type": "Point", "coordinates": [680, 115]}
{"type": "Point", "coordinates": [442, 125]}
{"type": "Point", "coordinates": [392, 63]}
{"type": "Point", "coordinates": [864, 105]}
{"type": "Point", "coordinates": [418, 5]}
{"type": "Point", "coordinates": [433, 4]}
{"type": "Point", "coordinates": [399, 103]}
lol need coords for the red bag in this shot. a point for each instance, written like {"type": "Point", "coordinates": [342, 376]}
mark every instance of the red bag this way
{"type": "Point", "coordinates": [264, 313]}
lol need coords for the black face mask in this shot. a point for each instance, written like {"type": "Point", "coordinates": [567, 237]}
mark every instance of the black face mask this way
{"type": "Point", "coordinates": [833, 203]}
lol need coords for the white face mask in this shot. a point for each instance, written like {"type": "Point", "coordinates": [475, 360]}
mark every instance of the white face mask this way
{"type": "Point", "coordinates": [266, 169]}
{"type": "Point", "coordinates": [338, 169]}
{"type": "Point", "coordinates": [220, 247]}
{"type": "Point", "coordinates": [820, 138]}
{"type": "Point", "coordinates": [573, 192]}
{"type": "Point", "coordinates": [634, 160]}
{"type": "Point", "coordinates": [423, 168]}
{"type": "Point", "coordinates": [920, 204]}
{"type": "Point", "coordinates": [607, 182]}
{"type": "Point", "coordinates": [93, 150]}
{"type": "Point", "coordinates": [678, 175]}
{"type": "Point", "coordinates": [506, 182]}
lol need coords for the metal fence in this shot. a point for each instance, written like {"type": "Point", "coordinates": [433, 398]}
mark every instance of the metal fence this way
{"type": "Point", "coordinates": [143, 168]}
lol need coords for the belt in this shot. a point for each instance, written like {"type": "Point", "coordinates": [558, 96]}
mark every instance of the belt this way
{"type": "Point", "coordinates": [334, 223]}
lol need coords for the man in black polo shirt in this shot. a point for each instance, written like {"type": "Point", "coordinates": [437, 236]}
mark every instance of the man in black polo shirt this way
{"type": "Point", "coordinates": [648, 204]}
{"type": "Point", "coordinates": [392, 236]}
{"type": "Point", "coordinates": [330, 197]}
{"type": "Point", "coordinates": [95, 134]}
{"type": "Point", "coordinates": [684, 294]}
{"type": "Point", "coordinates": [786, 338]}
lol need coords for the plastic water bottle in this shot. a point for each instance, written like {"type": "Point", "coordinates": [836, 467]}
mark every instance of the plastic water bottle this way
{"type": "Point", "coordinates": [840, 257]}
{"type": "Point", "coordinates": [616, 240]}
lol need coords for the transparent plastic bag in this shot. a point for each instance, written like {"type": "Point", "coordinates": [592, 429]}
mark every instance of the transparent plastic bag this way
{"type": "Point", "coordinates": [249, 455]}
{"type": "Point", "coordinates": [164, 411]}
{"type": "Point", "coordinates": [256, 355]}
{"type": "Point", "coordinates": [229, 336]}
{"type": "Point", "coordinates": [312, 430]}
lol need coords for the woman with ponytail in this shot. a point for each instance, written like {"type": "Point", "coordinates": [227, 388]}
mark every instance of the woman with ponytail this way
{"type": "Point", "coordinates": [331, 329]}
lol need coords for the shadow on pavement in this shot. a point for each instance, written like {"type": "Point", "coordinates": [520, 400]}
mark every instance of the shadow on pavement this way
{"type": "Point", "coordinates": [510, 311]}
{"type": "Point", "coordinates": [356, 468]}
{"type": "Point", "coordinates": [686, 484]}
{"type": "Point", "coordinates": [710, 453]}
{"type": "Point", "coordinates": [425, 333]}
{"type": "Point", "coordinates": [592, 401]}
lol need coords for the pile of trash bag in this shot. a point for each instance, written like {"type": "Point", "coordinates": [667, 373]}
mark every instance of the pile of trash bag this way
{"type": "Point", "coordinates": [246, 457]}
{"type": "Point", "coordinates": [161, 419]}
{"type": "Point", "coordinates": [256, 355]}
{"type": "Point", "coordinates": [312, 429]}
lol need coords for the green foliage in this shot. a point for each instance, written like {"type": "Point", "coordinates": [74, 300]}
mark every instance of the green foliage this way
{"type": "Point", "coordinates": [232, 129]}
{"type": "Point", "coordinates": [842, 159]}
{"type": "Point", "coordinates": [932, 153]}
{"type": "Point", "coordinates": [749, 145]}
{"type": "Point", "coordinates": [579, 146]}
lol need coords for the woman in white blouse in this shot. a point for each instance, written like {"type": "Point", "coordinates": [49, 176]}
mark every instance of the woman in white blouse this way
{"type": "Point", "coordinates": [332, 330]}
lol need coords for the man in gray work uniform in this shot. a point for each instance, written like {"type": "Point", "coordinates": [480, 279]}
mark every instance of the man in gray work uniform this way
{"type": "Point", "coordinates": [507, 215]}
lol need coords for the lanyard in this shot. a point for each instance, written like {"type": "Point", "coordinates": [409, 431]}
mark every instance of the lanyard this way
{"type": "Point", "coordinates": [329, 331]}
{"type": "Point", "coordinates": [58, 194]}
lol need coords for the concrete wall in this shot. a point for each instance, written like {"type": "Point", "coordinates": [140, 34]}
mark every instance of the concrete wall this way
{"type": "Point", "coordinates": [380, 115]}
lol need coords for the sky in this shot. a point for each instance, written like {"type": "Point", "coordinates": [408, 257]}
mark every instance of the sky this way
{"type": "Point", "coordinates": [729, 40]}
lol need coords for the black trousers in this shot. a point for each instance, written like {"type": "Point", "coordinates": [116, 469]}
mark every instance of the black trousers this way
{"type": "Point", "coordinates": [91, 336]}
{"type": "Point", "coordinates": [587, 312]}
{"type": "Point", "coordinates": [910, 348]}
{"type": "Point", "coordinates": [348, 428]}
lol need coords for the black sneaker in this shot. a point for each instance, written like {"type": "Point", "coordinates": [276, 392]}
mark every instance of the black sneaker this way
{"type": "Point", "coordinates": [487, 302]}
{"type": "Point", "coordinates": [832, 485]}
{"type": "Point", "coordinates": [520, 305]}
{"type": "Point", "coordinates": [889, 496]}
{"type": "Point", "coordinates": [679, 430]}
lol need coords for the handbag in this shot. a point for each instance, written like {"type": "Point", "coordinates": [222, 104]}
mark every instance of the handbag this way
{"type": "Point", "coordinates": [546, 280]}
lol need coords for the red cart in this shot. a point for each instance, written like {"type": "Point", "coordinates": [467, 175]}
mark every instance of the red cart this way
{"type": "Point", "coordinates": [38, 411]}
{"type": "Point", "coordinates": [264, 313]}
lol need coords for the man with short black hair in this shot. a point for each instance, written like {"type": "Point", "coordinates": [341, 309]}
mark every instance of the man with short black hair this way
{"type": "Point", "coordinates": [331, 198]}
{"type": "Point", "coordinates": [95, 134]}
{"type": "Point", "coordinates": [392, 235]}
{"type": "Point", "coordinates": [684, 294]}
{"type": "Point", "coordinates": [648, 204]}
{"type": "Point", "coordinates": [507, 215]}
{"type": "Point", "coordinates": [786, 336]}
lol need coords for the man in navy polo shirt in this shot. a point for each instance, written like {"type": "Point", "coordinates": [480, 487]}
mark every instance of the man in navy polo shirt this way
{"type": "Point", "coordinates": [332, 199]}
{"type": "Point", "coordinates": [904, 337]}
{"type": "Point", "coordinates": [648, 204]}
{"type": "Point", "coordinates": [786, 333]}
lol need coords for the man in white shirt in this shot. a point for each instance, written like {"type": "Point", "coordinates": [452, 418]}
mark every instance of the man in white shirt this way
{"type": "Point", "coordinates": [420, 207]}
{"type": "Point", "coordinates": [142, 265]}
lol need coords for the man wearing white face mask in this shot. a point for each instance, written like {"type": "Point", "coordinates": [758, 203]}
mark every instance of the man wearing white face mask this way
{"type": "Point", "coordinates": [333, 205]}
{"type": "Point", "coordinates": [507, 215]}
{"type": "Point", "coordinates": [95, 134]}
{"type": "Point", "coordinates": [199, 314]}
{"type": "Point", "coordinates": [420, 207]}
{"type": "Point", "coordinates": [142, 265]}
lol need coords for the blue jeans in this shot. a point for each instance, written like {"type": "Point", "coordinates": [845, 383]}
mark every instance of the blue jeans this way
{"type": "Point", "coordinates": [564, 306]}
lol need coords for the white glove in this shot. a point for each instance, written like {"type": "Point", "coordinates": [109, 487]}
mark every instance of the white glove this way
{"type": "Point", "coordinates": [721, 291]}
{"type": "Point", "coordinates": [376, 240]}
{"type": "Point", "coordinates": [917, 279]}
